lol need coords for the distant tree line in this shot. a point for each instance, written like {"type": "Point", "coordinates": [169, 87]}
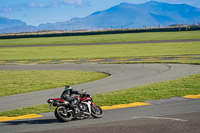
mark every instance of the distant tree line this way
{"type": "Point", "coordinates": [98, 32]}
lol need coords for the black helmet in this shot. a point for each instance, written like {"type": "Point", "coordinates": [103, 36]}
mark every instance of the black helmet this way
{"type": "Point", "coordinates": [68, 87]}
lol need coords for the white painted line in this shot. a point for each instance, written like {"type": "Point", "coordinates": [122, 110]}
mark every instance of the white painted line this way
{"type": "Point", "coordinates": [157, 118]}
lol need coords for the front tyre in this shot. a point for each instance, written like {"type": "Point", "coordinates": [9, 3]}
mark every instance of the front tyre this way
{"type": "Point", "coordinates": [62, 115]}
{"type": "Point", "coordinates": [96, 111]}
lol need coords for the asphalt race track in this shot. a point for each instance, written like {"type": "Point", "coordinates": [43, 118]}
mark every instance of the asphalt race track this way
{"type": "Point", "coordinates": [175, 115]}
{"type": "Point", "coordinates": [181, 117]}
{"type": "Point", "coordinates": [122, 76]}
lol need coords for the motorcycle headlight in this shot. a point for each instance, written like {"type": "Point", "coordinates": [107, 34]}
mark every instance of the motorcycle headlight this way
{"type": "Point", "coordinates": [49, 101]}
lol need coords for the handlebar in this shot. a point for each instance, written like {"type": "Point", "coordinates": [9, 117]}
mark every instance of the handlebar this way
{"type": "Point", "coordinates": [84, 95]}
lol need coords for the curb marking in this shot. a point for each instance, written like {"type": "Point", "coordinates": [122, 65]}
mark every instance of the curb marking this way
{"type": "Point", "coordinates": [193, 96]}
{"type": "Point", "coordinates": [21, 61]}
{"type": "Point", "coordinates": [44, 61]}
{"type": "Point", "coordinates": [95, 59]}
{"type": "Point", "coordinates": [67, 60]}
{"type": "Point", "coordinates": [103, 60]}
{"type": "Point", "coordinates": [5, 118]}
{"type": "Point", "coordinates": [125, 105]}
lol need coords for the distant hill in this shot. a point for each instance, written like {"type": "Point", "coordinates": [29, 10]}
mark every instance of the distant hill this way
{"type": "Point", "coordinates": [126, 15]}
{"type": "Point", "coordinates": [14, 25]}
{"type": "Point", "coordinates": [7, 23]}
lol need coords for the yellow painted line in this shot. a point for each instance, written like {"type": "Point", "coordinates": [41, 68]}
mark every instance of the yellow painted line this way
{"type": "Point", "coordinates": [21, 61]}
{"type": "Point", "coordinates": [5, 118]}
{"type": "Point", "coordinates": [95, 60]}
{"type": "Point", "coordinates": [125, 105]}
{"type": "Point", "coordinates": [122, 59]}
{"type": "Point", "coordinates": [44, 61]}
{"type": "Point", "coordinates": [193, 96]}
{"type": "Point", "coordinates": [67, 60]}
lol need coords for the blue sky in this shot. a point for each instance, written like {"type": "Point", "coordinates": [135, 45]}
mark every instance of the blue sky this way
{"type": "Point", "coordinates": [35, 12]}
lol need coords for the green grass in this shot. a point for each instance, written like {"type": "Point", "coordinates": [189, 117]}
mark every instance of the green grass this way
{"type": "Point", "coordinates": [172, 88]}
{"type": "Point", "coordinates": [15, 82]}
{"type": "Point", "coordinates": [100, 51]}
{"type": "Point", "coordinates": [194, 62]}
{"type": "Point", "coordinates": [125, 37]}
{"type": "Point", "coordinates": [37, 109]}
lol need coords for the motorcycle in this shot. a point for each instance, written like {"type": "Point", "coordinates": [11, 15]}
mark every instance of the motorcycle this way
{"type": "Point", "coordinates": [84, 108]}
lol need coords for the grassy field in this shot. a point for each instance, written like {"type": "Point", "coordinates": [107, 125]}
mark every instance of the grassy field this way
{"type": "Point", "coordinates": [194, 62]}
{"type": "Point", "coordinates": [125, 37]}
{"type": "Point", "coordinates": [100, 51]}
{"type": "Point", "coordinates": [15, 82]}
{"type": "Point", "coordinates": [179, 87]}
{"type": "Point", "coordinates": [172, 88]}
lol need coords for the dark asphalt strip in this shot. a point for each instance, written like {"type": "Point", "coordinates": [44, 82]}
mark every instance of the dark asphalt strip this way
{"type": "Point", "coordinates": [107, 43]}
{"type": "Point", "coordinates": [141, 125]}
{"type": "Point", "coordinates": [169, 117]}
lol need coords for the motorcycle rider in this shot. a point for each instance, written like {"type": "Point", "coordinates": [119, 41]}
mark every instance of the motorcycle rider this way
{"type": "Point", "coordinates": [67, 95]}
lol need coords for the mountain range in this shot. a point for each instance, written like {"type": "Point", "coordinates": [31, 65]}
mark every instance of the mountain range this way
{"type": "Point", "coordinates": [124, 15]}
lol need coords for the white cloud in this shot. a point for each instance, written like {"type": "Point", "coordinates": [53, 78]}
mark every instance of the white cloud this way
{"type": "Point", "coordinates": [73, 2]}
{"type": "Point", "coordinates": [55, 4]}
{"type": "Point", "coordinates": [6, 9]}
{"type": "Point", "coordinates": [37, 5]}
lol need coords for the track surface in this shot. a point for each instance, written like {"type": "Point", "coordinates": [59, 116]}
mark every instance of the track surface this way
{"type": "Point", "coordinates": [122, 76]}
{"type": "Point", "coordinates": [174, 117]}
{"type": "Point", "coordinates": [179, 115]}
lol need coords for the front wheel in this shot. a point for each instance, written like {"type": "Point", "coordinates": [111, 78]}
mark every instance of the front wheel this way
{"type": "Point", "coordinates": [97, 112]}
{"type": "Point", "coordinates": [62, 115]}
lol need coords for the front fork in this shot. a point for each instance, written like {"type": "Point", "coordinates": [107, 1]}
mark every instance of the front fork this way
{"type": "Point", "coordinates": [50, 106]}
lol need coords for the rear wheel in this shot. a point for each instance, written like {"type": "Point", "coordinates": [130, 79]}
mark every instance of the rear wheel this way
{"type": "Point", "coordinates": [62, 114]}
{"type": "Point", "coordinates": [96, 111]}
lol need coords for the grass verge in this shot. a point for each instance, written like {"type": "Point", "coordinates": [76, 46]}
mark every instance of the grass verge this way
{"type": "Point", "coordinates": [180, 87]}
{"type": "Point", "coordinates": [125, 37]}
{"type": "Point", "coordinates": [172, 88]}
{"type": "Point", "coordinates": [99, 51]}
{"type": "Point", "coordinates": [194, 62]}
{"type": "Point", "coordinates": [15, 82]}
{"type": "Point", "coordinates": [37, 109]}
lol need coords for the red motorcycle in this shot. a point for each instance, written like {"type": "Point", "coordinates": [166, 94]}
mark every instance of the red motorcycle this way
{"type": "Point", "coordinates": [84, 108]}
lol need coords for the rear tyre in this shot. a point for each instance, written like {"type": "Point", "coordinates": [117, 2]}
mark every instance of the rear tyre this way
{"type": "Point", "coordinates": [62, 115]}
{"type": "Point", "coordinates": [96, 111]}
